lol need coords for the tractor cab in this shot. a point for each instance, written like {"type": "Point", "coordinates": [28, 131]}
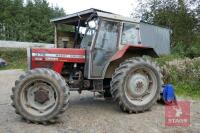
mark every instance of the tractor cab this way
{"type": "Point", "coordinates": [100, 33]}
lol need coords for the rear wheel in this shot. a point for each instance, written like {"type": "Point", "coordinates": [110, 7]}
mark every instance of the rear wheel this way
{"type": "Point", "coordinates": [40, 95]}
{"type": "Point", "coordinates": [136, 85]}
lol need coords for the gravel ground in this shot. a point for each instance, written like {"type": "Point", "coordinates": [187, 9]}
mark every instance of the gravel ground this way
{"type": "Point", "coordinates": [89, 115]}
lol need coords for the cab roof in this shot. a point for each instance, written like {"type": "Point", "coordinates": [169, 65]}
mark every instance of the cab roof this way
{"type": "Point", "coordinates": [84, 15]}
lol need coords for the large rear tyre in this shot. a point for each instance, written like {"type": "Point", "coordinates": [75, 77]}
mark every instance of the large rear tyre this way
{"type": "Point", "coordinates": [40, 96]}
{"type": "Point", "coordinates": [136, 85]}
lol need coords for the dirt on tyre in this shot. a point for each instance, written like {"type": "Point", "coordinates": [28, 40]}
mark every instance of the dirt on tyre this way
{"type": "Point", "coordinates": [136, 85]}
{"type": "Point", "coordinates": [40, 96]}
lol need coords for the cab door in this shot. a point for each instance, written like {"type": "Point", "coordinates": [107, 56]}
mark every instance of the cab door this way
{"type": "Point", "coordinates": [104, 47]}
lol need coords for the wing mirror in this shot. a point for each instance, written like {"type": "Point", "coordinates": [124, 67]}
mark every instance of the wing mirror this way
{"type": "Point", "coordinates": [92, 24]}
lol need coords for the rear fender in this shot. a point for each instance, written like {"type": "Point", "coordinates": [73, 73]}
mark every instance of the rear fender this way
{"type": "Point", "coordinates": [130, 49]}
{"type": "Point", "coordinates": [126, 52]}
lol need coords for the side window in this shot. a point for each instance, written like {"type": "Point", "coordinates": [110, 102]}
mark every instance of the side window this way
{"type": "Point", "coordinates": [129, 34]}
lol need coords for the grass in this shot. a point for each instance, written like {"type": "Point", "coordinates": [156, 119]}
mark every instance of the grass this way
{"type": "Point", "coordinates": [187, 90]}
{"type": "Point", "coordinates": [16, 58]}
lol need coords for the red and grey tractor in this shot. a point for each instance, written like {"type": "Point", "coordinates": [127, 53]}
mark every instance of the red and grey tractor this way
{"type": "Point", "coordinates": [95, 51]}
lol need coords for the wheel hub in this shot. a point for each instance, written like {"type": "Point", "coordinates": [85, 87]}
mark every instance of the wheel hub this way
{"type": "Point", "coordinates": [41, 96]}
{"type": "Point", "coordinates": [138, 84]}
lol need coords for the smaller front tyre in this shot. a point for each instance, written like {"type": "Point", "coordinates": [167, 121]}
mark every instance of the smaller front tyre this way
{"type": "Point", "coordinates": [40, 95]}
{"type": "Point", "coordinates": [136, 85]}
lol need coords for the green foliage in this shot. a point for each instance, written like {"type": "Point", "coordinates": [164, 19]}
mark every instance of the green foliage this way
{"type": "Point", "coordinates": [16, 58]}
{"type": "Point", "coordinates": [185, 75]}
{"type": "Point", "coordinates": [192, 51]}
{"type": "Point", "coordinates": [27, 22]}
{"type": "Point", "coordinates": [187, 81]}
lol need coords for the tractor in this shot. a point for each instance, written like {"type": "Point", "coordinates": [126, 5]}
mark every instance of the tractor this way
{"type": "Point", "coordinates": [96, 51]}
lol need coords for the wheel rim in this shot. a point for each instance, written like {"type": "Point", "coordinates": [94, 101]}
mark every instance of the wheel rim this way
{"type": "Point", "coordinates": [140, 86]}
{"type": "Point", "coordinates": [39, 97]}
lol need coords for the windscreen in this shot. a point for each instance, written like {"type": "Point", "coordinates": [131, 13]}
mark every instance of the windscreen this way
{"type": "Point", "coordinates": [89, 33]}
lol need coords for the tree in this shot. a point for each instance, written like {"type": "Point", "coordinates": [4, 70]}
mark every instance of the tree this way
{"type": "Point", "coordinates": [175, 14]}
{"type": "Point", "coordinates": [198, 16]}
{"type": "Point", "coordinates": [30, 22]}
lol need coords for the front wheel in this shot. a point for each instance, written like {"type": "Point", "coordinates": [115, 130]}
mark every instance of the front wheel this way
{"type": "Point", "coordinates": [40, 95]}
{"type": "Point", "coordinates": [136, 85]}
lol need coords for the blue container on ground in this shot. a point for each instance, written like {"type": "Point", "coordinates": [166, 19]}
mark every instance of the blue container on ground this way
{"type": "Point", "coordinates": [169, 96]}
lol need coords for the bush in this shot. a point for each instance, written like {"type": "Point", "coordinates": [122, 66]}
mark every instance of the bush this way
{"type": "Point", "coordinates": [164, 59]}
{"type": "Point", "coordinates": [184, 74]}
